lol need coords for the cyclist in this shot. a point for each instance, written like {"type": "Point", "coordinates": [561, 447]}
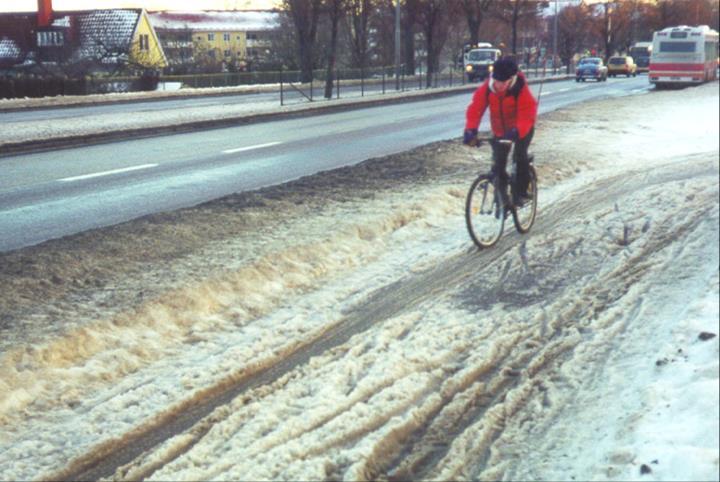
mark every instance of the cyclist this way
{"type": "Point", "coordinates": [513, 110]}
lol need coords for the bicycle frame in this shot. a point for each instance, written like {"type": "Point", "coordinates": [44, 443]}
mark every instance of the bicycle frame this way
{"type": "Point", "coordinates": [523, 215]}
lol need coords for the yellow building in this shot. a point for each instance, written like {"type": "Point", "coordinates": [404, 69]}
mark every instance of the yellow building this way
{"type": "Point", "coordinates": [145, 49]}
{"type": "Point", "coordinates": [216, 40]}
{"type": "Point", "coordinates": [113, 36]}
{"type": "Point", "coordinates": [221, 45]}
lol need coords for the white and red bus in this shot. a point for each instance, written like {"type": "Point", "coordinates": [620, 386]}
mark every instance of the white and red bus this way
{"type": "Point", "coordinates": [684, 55]}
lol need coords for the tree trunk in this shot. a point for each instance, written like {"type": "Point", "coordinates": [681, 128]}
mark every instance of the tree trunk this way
{"type": "Point", "coordinates": [336, 9]}
{"type": "Point", "coordinates": [408, 34]}
{"type": "Point", "coordinates": [473, 20]}
{"type": "Point", "coordinates": [359, 31]}
{"type": "Point", "coordinates": [515, 18]}
{"type": "Point", "coordinates": [305, 16]}
{"type": "Point", "coordinates": [474, 12]}
{"type": "Point", "coordinates": [608, 32]}
{"type": "Point", "coordinates": [429, 46]}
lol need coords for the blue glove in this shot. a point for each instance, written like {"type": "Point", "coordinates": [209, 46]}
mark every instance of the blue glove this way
{"type": "Point", "coordinates": [511, 135]}
{"type": "Point", "coordinates": [470, 137]}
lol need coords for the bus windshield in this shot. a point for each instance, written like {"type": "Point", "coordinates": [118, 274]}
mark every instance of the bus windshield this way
{"type": "Point", "coordinates": [677, 47]}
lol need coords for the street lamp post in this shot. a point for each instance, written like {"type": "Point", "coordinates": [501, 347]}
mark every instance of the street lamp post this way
{"type": "Point", "coordinates": [397, 44]}
{"type": "Point", "coordinates": [555, 28]}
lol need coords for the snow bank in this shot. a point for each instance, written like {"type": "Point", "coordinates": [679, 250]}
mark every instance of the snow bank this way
{"type": "Point", "coordinates": [439, 361]}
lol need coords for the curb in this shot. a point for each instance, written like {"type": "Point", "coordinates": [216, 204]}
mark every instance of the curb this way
{"type": "Point", "coordinates": [67, 142]}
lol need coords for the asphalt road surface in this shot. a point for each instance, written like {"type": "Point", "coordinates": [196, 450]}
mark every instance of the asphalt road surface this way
{"type": "Point", "coordinates": [53, 194]}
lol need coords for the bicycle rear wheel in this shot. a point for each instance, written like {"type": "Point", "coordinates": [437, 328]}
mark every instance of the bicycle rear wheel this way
{"type": "Point", "coordinates": [484, 212]}
{"type": "Point", "coordinates": [524, 216]}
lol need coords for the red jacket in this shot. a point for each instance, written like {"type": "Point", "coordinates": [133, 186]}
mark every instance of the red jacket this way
{"type": "Point", "coordinates": [516, 107]}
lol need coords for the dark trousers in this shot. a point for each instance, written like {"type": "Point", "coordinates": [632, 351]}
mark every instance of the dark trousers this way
{"type": "Point", "coordinates": [520, 156]}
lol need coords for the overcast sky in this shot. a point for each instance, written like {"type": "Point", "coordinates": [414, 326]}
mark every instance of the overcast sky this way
{"type": "Point", "coordinates": [31, 5]}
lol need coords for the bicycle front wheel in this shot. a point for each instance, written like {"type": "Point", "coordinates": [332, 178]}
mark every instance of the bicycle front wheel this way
{"type": "Point", "coordinates": [484, 212]}
{"type": "Point", "coordinates": [524, 216]}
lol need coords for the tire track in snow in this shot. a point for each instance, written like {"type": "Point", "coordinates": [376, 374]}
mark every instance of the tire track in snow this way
{"type": "Point", "coordinates": [388, 301]}
{"type": "Point", "coordinates": [602, 327]}
{"type": "Point", "coordinates": [426, 446]}
{"type": "Point", "coordinates": [383, 304]}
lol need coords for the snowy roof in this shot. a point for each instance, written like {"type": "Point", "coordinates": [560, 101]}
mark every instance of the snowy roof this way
{"type": "Point", "coordinates": [9, 48]}
{"type": "Point", "coordinates": [104, 31]}
{"type": "Point", "coordinates": [243, 21]}
{"type": "Point", "coordinates": [93, 33]}
{"type": "Point", "coordinates": [15, 38]}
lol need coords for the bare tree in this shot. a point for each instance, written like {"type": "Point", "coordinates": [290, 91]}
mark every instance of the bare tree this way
{"type": "Point", "coordinates": [644, 22]}
{"type": "Point", "coordinates": [475, 11]}
{"type": "Point", "coordinates": [513, 11]}
{"type": "Point", "coordinates": [612, 19]}
{"type": "Point", "coordinates": [625, 23]}
{"type": "Point", "coordinates": [359, 12]}
{"type": "Point", "coordinates": [573, 27]}
{"type": "Point", "coordinates": [431, 23]}
{"type": "Point", "coordinates": [607, 29]}
{"type": "Point", "coordinates": [408, 23]}
{"type": "Point", "coordinates": [305, 14]}
{"type": "Point", "coordinates": [435, 17]}
{"type": "Point", "coordinates": [688, 12]}
{"type": "Point", "coordinates": [335, 11]}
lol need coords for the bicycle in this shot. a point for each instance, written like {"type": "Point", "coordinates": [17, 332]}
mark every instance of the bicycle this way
{"type": "Point", "coordinates": [487, 205]}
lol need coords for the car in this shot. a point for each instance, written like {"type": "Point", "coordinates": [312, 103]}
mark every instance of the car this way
{"type": "Point", "coordinates": [591, 68]}
{"type": "Point", "coordinates": [622, 65]}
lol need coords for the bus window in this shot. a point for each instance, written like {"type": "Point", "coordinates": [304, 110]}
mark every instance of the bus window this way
{"type": "Point", "coordinates": [711, 50]}
{"type": "Point", "coordinates": [677, 46]}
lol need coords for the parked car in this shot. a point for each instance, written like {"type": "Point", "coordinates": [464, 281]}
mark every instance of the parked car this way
{"type": "Point", "coordinates": [622, 65]}
{"type": "Point", "coordinates": [591, 68]}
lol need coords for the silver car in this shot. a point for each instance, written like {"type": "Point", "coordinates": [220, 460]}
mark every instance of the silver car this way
{"type": "Point", "coordinates": [591, 68]}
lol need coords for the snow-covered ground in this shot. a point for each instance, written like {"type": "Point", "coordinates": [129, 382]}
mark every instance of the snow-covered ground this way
{"type": "Point", "coordinates": [368, 336]}
{"type": "Point", "coordinates": [28, 131]}
{"type": "Point", "coordinates": [24, 131]}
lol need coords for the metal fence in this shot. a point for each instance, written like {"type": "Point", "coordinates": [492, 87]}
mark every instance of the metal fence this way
{"type": "Point", "coordinates": [361, 82]}
{"type": "Point", "coordinates": [285, 83]}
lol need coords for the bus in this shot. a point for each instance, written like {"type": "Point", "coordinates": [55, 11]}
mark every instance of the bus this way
{"type": "Point", "coordinates": [684, 55]}
{"type": "Point", "coordinates": [640, 52]}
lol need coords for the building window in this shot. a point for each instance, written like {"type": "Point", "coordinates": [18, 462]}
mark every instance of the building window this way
{"type": "Point", "coordinates": [144, 42]}
{"type": "Point", "coordinates": [228, 53]}
{"type": "Point", "coordinates": [252, 36]}
{"type": "Point", "coordinates": [211, 37]}
{"type": "Point", "coordinates": [199, 38]}
{"type": "Point", "coordinates": [50, 39]}
{"type": "Point", "coordinates": [226, 37]}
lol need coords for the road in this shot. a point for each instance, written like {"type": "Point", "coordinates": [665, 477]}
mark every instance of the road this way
{"type": "Point", "coordinates": [344, 327]}
{"type": "Point", "coordinates": [291, 95]}
{"type": "Point", "coordinates": [53, 194]}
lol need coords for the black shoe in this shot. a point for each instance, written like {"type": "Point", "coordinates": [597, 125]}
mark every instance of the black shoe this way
{"type": "Point", "coordinates": [520, 199]}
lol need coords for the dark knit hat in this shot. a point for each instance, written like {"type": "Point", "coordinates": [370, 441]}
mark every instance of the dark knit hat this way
{"type": "Point", "coordinates": [504, 68]}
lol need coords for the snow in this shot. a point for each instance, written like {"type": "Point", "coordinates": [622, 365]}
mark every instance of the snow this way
{"type": "Point", "coordinates": [201, 21]}
{"type": "Point", "coordinates": [572, 352]}
{"type": "Point", "coordinates": [24, 131]}
{"type": "Point", "coordinates": [8, 48]}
